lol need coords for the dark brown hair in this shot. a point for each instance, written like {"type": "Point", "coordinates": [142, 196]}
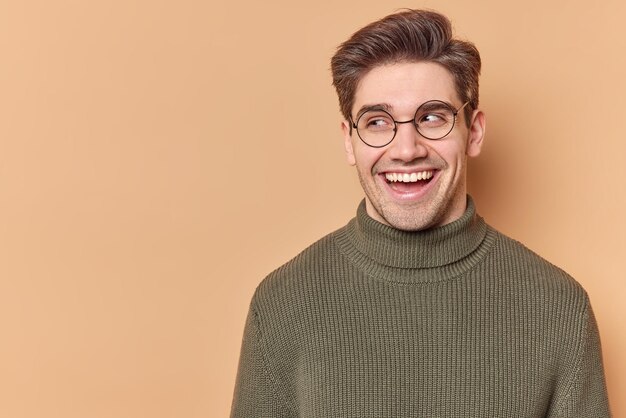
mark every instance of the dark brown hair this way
{"type": "Point", "coordinates": [407, 36]}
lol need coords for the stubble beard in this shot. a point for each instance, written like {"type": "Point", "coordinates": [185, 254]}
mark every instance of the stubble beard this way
{"type": "Point", "coordinates": [418, 216]}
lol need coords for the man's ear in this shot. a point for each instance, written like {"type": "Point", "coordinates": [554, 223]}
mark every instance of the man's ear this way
{"type": "Point", "coordinates": [347, 142]}
{"type": "Point", "coordinates": [476, 134]}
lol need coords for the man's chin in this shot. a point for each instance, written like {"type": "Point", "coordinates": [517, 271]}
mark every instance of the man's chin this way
{"type": "Point", "coordinates": [410, 220]}
{"type": "Point", "coordinates": [412, 224]}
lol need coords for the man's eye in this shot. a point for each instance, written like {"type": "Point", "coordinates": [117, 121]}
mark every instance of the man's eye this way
{"type": "Point", "coordinates": [378, 123]}
{"type": "Point", "coordinates": [432, 119]}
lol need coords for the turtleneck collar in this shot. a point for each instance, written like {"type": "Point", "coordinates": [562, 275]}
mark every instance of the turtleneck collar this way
{"type": "Point", "coordinates": [377, 247]}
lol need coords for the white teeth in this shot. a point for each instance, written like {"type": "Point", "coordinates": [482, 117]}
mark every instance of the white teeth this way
{"type": "Point", "coordinates": [408, 178]}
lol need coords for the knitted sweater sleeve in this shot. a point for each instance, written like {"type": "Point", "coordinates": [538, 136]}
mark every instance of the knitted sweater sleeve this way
{"type": "Point", "coordinates": [583, 393]}
{"type": "Point", "coordinates": [256, 392]}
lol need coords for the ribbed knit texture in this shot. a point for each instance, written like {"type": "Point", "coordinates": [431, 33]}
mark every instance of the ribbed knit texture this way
{"type": "Point", "coordinates": [457, 321]}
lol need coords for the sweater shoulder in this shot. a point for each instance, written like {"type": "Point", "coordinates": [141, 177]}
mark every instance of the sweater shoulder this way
{"type": "Point", "coordinates": [534, 269]}
{"type": "Point", "coordinates": [303, 272]}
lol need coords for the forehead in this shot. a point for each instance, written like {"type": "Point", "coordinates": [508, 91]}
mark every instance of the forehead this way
{"type": "Point", "coordinates": [404, 86]}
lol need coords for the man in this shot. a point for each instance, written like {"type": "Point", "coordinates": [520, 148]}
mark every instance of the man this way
{"type": "Point", "coordinates": [417, 308]}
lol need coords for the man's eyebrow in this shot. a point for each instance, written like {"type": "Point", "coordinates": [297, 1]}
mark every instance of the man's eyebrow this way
{"type": "Point", "coordinates": [377, 106]}
{"type": "Point", "coordinates": [435, 104]}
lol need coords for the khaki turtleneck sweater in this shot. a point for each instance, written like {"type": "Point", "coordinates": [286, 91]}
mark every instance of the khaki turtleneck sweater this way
{"type": "Point", "coordinates": [457, 321]}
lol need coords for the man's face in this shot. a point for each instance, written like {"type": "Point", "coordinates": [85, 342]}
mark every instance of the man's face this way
{"type": "Point", "coordinates": [439, 197]}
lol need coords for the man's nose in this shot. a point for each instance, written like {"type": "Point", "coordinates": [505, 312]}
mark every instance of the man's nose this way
{"type": "Point", "coordinates": [408, 144]}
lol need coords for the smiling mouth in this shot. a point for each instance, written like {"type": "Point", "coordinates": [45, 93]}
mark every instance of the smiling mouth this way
{"type": "Point", "coordinates": [409, 177]}
{"type": "Point", "coordinates": [409, 184]}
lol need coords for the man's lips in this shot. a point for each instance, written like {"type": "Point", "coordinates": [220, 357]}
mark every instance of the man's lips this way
{"type": "Point", "coordinates": [408, 184]}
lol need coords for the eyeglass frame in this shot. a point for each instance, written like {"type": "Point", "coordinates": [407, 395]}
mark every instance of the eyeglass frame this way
{"type": "Point", "coordinates": [399, 122]}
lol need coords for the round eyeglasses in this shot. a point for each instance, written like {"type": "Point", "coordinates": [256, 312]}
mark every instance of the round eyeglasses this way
{"type": "Point", "coordinates": [434, 119]}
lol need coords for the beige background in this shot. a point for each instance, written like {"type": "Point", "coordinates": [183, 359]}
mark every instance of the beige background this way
{"type": "Point", "coordinates": [159, 158]}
